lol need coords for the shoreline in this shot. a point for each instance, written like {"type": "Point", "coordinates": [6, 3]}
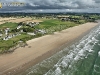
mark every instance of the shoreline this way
{"type": "Point", "coordinates": [33, 54]}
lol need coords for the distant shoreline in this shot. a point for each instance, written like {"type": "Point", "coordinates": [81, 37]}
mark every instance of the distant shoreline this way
{"type": "Point", "coordinates": [40, 49]}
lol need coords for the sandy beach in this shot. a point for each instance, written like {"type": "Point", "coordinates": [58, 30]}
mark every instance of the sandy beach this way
{"type": "Point", "coordinates": [39, 49]}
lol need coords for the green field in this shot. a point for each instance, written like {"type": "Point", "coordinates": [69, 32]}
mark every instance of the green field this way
{"type": "Point", "coordinates": [54, 25]}
{"type": "Point", "coordinates": [6, 45]}
{"type": "Point", "coordinates": [46, 24]}
{"type": "Point", "coordinates": [8, 25]}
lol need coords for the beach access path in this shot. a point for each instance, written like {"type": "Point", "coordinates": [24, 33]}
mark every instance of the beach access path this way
{"type": "Point", "coordinates": [39, 49]}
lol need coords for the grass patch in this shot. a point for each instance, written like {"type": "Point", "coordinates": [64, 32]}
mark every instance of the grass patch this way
{"type": "Point", "coordinates": [13, 42]}
{"type": "Point", "coordinates": [46, 24]}
{"type": "Point", "coordinates": [54, 25]}
{"type": "Point", "coordinates": [8, 25]}
{"type": "Point", "coordinates": [6, 43]}
{"type": "Point", "coordinates": [23, 37]}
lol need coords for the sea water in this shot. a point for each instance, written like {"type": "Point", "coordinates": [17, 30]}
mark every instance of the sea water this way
{"type": "Point", "coordinates": [81, 58]}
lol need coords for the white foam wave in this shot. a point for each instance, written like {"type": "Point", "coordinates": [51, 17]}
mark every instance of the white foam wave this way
{"type": "Point", "coordinates": [99, 53]}
{"type": "Point", "coordinates": [77, 52]}
{"type": "Point", "coordinates": [57, 71]}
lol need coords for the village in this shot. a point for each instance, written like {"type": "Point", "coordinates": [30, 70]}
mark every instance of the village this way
{"type": "Point", "coordinates": [7, 33]}
{"type": "Point", "coordinates": [14, 32]}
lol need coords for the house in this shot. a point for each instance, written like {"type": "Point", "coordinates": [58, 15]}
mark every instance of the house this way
{"type": "Point", "coordinates": [1, 34]}
{"type": "Point", "coordinates": [19, 27]}
{"type": "Point", "coordinates": [21, 31]}
{"type": "Point", "coordinates": [5, 38]}
{"type": "Point", "coordinates": [32, 24]}
{"type": "Point", "coordinates": [42, 31]}
{"type": "Point", "coordinates": [31, 34]}
{"type": "Point", "coordinates": [7, 30]}
{"type": "Point", "coordinates": [62, 17]}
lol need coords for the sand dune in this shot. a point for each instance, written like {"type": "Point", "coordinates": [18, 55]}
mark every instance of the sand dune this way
{"type": "Point", "coordinates": [39, 49]}
{"type": "Point", "coordinates": [2, 23]}
{"type": "Point", "coordinates": [34, 21]}
{"type": "Point", "coordinates": [3, 20]}
{"type": "Point", "coordinates": [14, 20]}
{"type": "Point", "coordinates": [20, 20]}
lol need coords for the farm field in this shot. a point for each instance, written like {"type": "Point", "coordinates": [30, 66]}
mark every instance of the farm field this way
{"type": "Point", "coordinates": [20, 20]}
{"type": "Point", "coordinates": [16, 20]}
{"type": "Point", "coordinates": [6, 19]}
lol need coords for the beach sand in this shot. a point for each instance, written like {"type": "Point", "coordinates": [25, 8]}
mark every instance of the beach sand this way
{"type": "Point", "coordinates": [39, 49]}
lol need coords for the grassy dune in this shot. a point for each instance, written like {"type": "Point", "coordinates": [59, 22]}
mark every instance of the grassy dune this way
{"type": "Point", "coordinates": [49, 25]}
{"type": "Point", "coordinates": [13, 42]}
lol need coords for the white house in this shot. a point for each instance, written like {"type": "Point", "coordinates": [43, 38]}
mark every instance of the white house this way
{"type": "Point", "coordinates": [6, 30]}
{"type": "Point", "coordinates": [1, 34]}
{"type": "Point", "coordinates": [19, 27]}
{"type": "Point", "coordinates": [31, 34]}
{"type": "Point", "coordinates": [42, 31]}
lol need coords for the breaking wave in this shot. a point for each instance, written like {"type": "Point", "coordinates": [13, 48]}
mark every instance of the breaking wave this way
{"type": "Point", "coordinates": [81, 58]}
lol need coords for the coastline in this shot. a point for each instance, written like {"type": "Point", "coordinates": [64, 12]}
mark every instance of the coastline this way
{"type": "Point", "coordinates": [40, 49]}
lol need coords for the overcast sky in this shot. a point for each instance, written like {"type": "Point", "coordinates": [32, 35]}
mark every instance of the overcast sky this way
{"type": "Point", "coordinates": [53, 6]}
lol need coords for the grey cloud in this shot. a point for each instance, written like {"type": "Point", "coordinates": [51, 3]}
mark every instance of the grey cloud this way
{"type": "Point", "coordinates": [76, 4]}
{"type": "Point", "coordinates": [97, 1]}
{"type": "Point", "coordinates": [53, 4]}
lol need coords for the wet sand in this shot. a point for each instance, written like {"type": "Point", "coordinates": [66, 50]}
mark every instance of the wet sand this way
{"type": "Point", "coordinates": [39, 49]}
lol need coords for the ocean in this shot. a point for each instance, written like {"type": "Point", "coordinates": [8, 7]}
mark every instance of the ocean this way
{"type": "Point", "coordinates": [80, 58]}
